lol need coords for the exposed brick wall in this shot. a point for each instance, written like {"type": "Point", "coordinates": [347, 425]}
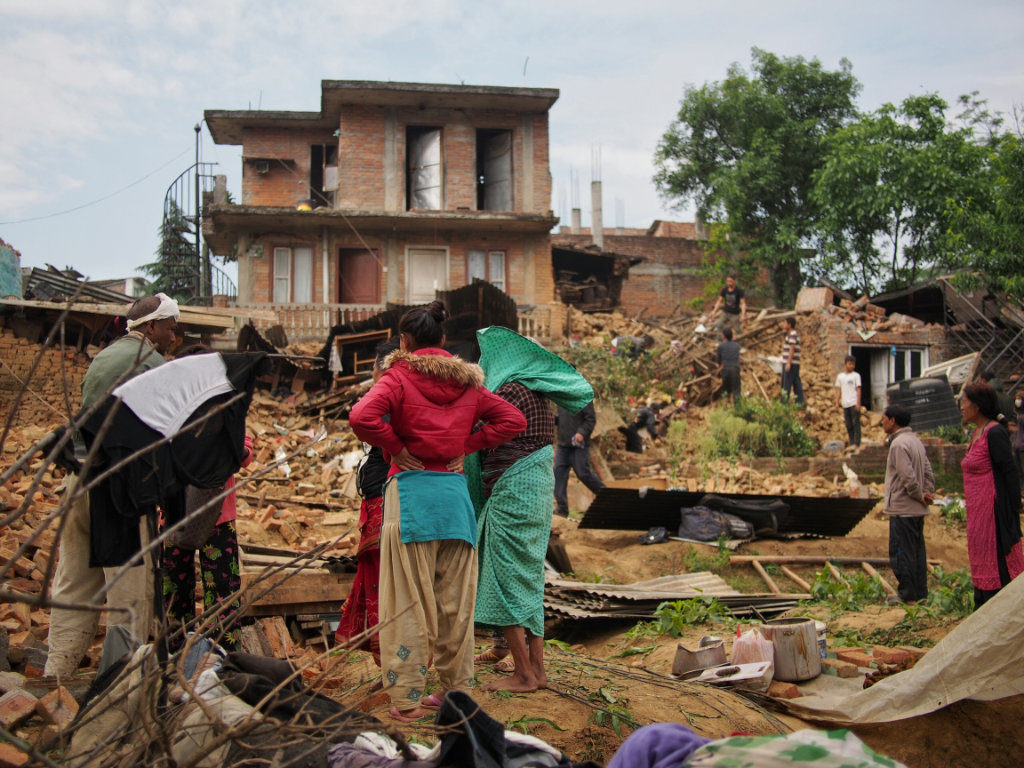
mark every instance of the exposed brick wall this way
{"type": "Point", "coordinates": [361, 157]}
{"type": "Point", "coordinates": [48, 382]}
{"type": "Point", "coordinates": [668, 276]}
{"type": "Point", "coordinates": [287, 180]}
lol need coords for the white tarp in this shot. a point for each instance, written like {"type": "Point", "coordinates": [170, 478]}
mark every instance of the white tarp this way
{"type": "Point", "coordinates": [982, 659]}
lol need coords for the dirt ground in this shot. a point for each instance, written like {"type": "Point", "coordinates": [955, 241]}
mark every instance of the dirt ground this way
{"type": "Point", "coordinates": [597, 695]}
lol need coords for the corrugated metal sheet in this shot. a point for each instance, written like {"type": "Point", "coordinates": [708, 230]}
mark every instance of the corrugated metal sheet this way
{"type": "Point", "coordinates": [626, 509]}
{"type": "Point", "coordinates": [582, 600]}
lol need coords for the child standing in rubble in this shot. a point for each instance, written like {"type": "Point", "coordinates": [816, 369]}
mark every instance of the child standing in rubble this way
{"type": "Point", "coordinates": [428, 563]}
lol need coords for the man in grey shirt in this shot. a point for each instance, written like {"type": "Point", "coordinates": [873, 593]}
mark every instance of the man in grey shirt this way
{"type": "Point", "coordinates": [728, 354]}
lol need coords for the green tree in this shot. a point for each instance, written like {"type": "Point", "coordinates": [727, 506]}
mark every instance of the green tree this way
{"type": "Point", "coordinates": [744, 151]}
{"type": "Point", "coordinates": [175, 271]}
{"type": "Point", "coordinates": [885, 190]}
{"type": "Point", "coordinates": [988, 228]}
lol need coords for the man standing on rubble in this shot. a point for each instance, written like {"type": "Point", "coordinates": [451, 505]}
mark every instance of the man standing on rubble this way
{"type": "Point", "coordinates": [733, 302]}
{"type": "Point", "coordinates": [572, 452]}
{"type": "Point", "coordinates": [909, 490]}
{"type": "Point", "coordinates": [151, 324]}
{"type": "Point", "coordinates": [791, 363]}
{"type": "Point", "coordinates": [728, 356]}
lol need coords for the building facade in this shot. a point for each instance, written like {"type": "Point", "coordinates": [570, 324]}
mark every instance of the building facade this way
{"type": "Point", "coordinates": [390, 192]}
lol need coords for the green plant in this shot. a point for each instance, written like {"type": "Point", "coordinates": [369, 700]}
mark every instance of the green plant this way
{"type": "Point", "coordinates": [848, 594]}
{"type": "Point", "coordinates": [675, 616]}
{"type": "Point", "coordinates": [954, 513]}
{"type": "Point", "coordinates": [611, 713]}
{"type": "Point", "coordinates": [523, 723]}
{"type": "Point", "coordinates": [951, 433]}
{"type": "Point", "coordinates": [552, 643]}
{"type": "Point", "coordinates": [702, 559]}
{"type": "Point", "coordinates": [756, 428]}
{"type": "Point", "coordinates": [639, 650]}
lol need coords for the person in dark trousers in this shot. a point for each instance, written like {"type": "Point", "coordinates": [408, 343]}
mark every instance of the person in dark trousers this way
{"type": "Point", "coordinates": [909, 490]}
{"type": "Point", "coordinates": [848, 397]}
{"type": "Point", "coordinates": [791, 363]}
{"type": "Point", "coordinates": [572, 451]}
{"type": "Point", "coordinates": [728, 354]}
{"type": "Point", "coordinates": [733, 302]}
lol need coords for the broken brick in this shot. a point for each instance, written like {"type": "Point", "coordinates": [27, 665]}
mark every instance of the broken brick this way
{"type": "Point", "coordinates": [58, 707]}
{"type": "Point", "coordinates": [857, 656]}
{"type": "Point", "coordinates": [11, 681]}
{"type": "Point", "coordinates": [11, 756]}
{"type": "Point", "coordinates": [841, 668]}
{"type": "Point", "coordinates": [890, 655]}
{"type": "Point", "coordinates": [781, 690]}
{"type": "Point", "coordinates": [16, 707]}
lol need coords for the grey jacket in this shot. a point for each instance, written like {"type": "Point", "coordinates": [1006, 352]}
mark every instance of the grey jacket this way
{"type": "Point", "coordinates": [908, 475]}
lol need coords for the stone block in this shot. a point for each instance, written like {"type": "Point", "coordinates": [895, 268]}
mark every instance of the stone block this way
{"type": "Point", "coordinates": [781, 690]}
{"type": "Point", "coordinates": [857, 656]}
{"type": "Point", "coordinates": [890, 655]}
{"type": "Point", "coordinates": [12, 756]}
{"type": "Point", "coordinates": [841, 668]}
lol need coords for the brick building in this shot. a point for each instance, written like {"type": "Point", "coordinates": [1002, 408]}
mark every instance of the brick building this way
{"type": "Point", "coordinates": [667, 272]}
{"type": "Point", "coordinates": [389, 192]}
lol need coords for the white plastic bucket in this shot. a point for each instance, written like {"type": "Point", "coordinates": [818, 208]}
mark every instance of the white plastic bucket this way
{"type": "Point", "coordinates": [822, 632]}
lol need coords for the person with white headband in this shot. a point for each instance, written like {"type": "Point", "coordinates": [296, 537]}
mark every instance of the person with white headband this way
{"type": "Point", "coordinates": [152, 321]}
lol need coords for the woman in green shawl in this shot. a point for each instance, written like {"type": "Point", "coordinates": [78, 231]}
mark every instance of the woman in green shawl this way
{"type": "Point", "coordinates": [512, 488]}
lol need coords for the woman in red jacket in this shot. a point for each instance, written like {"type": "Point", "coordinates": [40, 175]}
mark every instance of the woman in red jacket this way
{"type": "Point", "coordinates": [428, 569]}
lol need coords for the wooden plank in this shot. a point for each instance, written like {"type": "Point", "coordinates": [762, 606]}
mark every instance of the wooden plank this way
{"type": "Point", "coordinates": [767, 579]}
{"type": "Point", "coordinates": [795, 578]}
{"type": "Point", "coordinates": [872, 572]}
{"type": "Point", "coordinates": [301, 592]}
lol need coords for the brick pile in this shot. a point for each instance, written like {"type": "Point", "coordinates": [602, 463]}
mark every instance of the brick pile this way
{"type": "Point", "coordinates": [57, 374]}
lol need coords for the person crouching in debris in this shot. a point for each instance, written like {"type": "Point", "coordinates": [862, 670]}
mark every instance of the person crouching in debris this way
{"type": "Point", "coordinates": [511, 487]}
{"type": "Point", "coordinates": [361, 610]}
{"type": "Point", "coordinates": [218, 562]}
{"type": "Point", "coordinates": [428, 565]}
{"type": "Point", "coordinates": [151, 325]}
{"type": "Point", "coordinates": [631, 346]}
{"type": "Point", "coordinates": [909, 490]}
{"type": "Point", "coordinates": [728, 355]}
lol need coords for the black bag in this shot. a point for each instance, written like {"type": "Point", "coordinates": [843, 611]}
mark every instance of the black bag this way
{"type": "Point", "coordinates": [704, 524]}
{"type": "Point", "coordinates": [766, 515]}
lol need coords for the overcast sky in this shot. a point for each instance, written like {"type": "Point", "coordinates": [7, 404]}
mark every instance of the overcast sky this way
{"type": "Point", "coordinates": [98, 98]}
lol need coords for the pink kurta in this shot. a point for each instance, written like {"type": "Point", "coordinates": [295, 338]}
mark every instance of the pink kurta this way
{"type": "Point", "coordinates": [980, 498]}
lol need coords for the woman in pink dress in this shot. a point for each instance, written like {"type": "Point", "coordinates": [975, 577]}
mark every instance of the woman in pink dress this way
{"type": "Point", "coordinates": [992, 496]}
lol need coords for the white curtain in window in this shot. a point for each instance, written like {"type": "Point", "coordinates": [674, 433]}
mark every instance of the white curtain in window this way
{"type": "Point", "coordinates": [302, 290]}
{"type": "Point", "coordinates": [282, 275]}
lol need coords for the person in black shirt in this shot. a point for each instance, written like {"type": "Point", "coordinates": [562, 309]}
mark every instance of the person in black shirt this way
{"type": "Point", "coordinates": [572, 451]}
{"type": "Point", "coordinates": [733, 304]}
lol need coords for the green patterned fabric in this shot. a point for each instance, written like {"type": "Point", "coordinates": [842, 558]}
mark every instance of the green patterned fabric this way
{"type": "Point", "coordinates": [512, 530]}
{"type": "Point", "coordinates": [506, 356]}
{"type": "Point", "coordinates": [820, 749]}
{"type": "Point", "coordinates": [513, 525]}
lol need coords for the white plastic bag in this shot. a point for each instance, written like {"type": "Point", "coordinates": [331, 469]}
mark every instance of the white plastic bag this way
{"type": "Point", "coordinates": [751, 647]}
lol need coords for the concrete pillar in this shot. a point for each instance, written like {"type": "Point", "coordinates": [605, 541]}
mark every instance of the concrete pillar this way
{"type": "Point", "coordinates": [528, 171]}
{"type": "Point", "coordinates": [393, 164]}
{"type": "Point", "coordinates": [577, 225]}
{"type": "Point", "coordinates": [596, 214]}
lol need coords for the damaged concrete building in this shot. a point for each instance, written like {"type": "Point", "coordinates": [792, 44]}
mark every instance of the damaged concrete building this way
{"type": "Point", "coordinates": [388, 193]}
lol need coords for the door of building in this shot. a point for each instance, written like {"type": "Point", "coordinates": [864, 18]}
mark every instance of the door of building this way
{"type": "Point", "coordinates": [358, 276]}
{"type": "Point", "coordinates": [427, 272]}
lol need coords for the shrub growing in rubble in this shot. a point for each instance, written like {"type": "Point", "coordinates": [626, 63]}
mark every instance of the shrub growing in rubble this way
{"type": "Point", "coordinates": [757, 428]}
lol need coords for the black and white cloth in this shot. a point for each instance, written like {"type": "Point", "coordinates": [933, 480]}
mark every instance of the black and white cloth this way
{"type": "Point", "coordinates": [182, 424]}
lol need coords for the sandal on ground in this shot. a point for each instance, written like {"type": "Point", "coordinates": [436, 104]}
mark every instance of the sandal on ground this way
{"type": "Point", "coordinates": [396, 714]}
{"type": "Point", "coordinates": [507, 664]}
{"type": "Point", "coordinates": [490, 656]}
{"type": "Point", "coordinates": [433, 701]}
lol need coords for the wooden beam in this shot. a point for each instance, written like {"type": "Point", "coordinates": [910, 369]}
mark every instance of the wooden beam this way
{"type": "Point", "coordinates": [873, 573]}
{"type": "Point", "coordinates": [795, 578]}
{"type": "Point", "coordinates": [767, 579]}
{"type": "Point", "coordinates": [309, 591]}
{"type": "Point", "coordinates": [835, 572]}
{"type": "Point", "coordinates": [814, 559]}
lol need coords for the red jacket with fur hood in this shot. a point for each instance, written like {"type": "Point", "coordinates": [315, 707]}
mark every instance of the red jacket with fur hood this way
{"type": "Point", "coordinates": [433, 399]}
